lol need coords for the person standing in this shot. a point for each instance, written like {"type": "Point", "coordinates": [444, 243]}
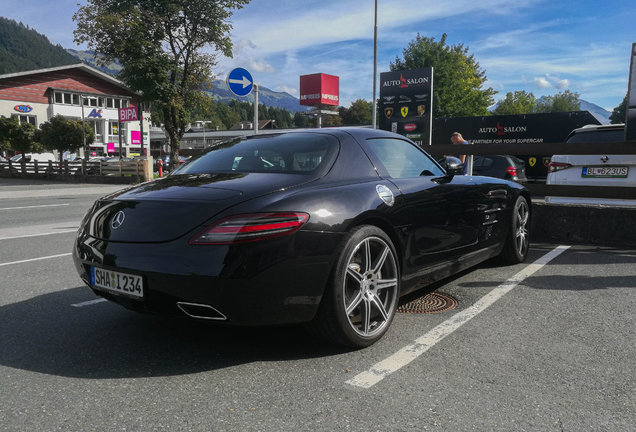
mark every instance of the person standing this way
{"type": "Point", "coordinates": [458, 139]}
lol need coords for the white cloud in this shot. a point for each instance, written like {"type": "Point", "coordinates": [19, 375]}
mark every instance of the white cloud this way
{"type": "Point", "coordinates": [562, 84]}
{"type": "Point", "coordinates": [542, 82]}
{"type": "Point", "coordinates": [283, 88]}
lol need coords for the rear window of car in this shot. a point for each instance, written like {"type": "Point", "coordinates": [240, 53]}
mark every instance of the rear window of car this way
{"type": "Point", "coordinates": [294, 153]}
{"type": "Point", "coordinates": [616, 135]}
{"type": "Point", "coordinates": [482, 162]}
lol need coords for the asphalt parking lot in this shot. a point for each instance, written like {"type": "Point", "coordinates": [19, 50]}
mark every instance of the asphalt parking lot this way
{"type": "Point", "coordinates": [547, 345]}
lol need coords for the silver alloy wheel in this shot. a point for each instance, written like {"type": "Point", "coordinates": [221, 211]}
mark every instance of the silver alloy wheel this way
{"type": "Point", "coordinates": [370, 287]}
{"type": "Point", "coordinates": [522, 235]}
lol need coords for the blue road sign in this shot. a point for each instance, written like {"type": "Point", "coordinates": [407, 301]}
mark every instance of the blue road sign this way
{"type": "Point", "coordinates": [240, 82]}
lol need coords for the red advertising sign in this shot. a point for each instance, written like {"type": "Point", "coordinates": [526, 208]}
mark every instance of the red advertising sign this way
{"type": "Point", "coordinates": [319, 89]}
{"type": "Point", "coordinates": [135, 137]}
{"type": "Point", "coordinates": [128, 114]}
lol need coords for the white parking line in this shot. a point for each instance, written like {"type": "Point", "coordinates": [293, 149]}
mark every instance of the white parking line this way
{"type": "Point", "coordinates": [34, 259]}
{"type": "Point", "coordinates": [381, 370]}
{"type": "Point", "coordinates": [88, 303]}
{"type": "Point", "coordinates": [31, 207]}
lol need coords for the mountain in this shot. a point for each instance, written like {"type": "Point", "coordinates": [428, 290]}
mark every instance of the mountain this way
{"type": "Point", "coordinates": [88, 57]}
{"type": "Point", "coordinates": [221, 93]}
{"type": "Point", "coordinates": [23, 49]}
{"type": "Point", "coordinates": [601, 114]}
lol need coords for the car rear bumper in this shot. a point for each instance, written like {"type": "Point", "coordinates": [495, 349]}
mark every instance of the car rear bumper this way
{"type": "Point", "coordinates": [275, 281]}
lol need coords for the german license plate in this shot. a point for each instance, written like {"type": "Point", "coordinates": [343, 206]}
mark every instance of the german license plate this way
{"type": "Point", "coordinates": [610, 172]}
{"type": "Point", "coordinates": [117, 283]}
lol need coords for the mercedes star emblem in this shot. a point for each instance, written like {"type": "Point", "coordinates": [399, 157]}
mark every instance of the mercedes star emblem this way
{"type": "Point", "coordinates": [117, 220]}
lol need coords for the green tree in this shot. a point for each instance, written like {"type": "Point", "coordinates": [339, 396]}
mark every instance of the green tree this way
{"type": "Point", "coordinates": [16, 136]}
{"type": "Point", "coordinates": [300, 121]}
{"type": "Point", "coordinates": [619, 113]}
{"type": "Point", "coordinates": [518, 102]}
{"type": "Point", "coordinates": [458, 78]}
{"type": "Point", "coordinates": [64, 134]}
{"type": "Point", "coordinates": [560, 102]}
{"type": "Point", "coordinates": [159, 45]}
{"type": "Point", "coordinates": [358, 113]}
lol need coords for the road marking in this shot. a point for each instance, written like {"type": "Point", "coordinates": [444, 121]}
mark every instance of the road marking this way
{"type": "Point", "coordinates": [406, 355]}
{"type": "Point", "coordinates": [38, 230]}
{"type": "Point", "coordinates": [34, 259]}
{"type": "Point", "coordinates": [40, 234]}
{"type": "Point", "coordinates": [37, 206]}
{"type": "Point", "coordinates": [88, 303]}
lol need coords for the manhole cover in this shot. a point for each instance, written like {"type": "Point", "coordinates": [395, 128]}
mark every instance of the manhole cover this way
{"type": "Point", "coordinates": [430, 303]}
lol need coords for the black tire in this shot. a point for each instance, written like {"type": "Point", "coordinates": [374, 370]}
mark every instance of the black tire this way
{"type": "Point", "coordinates": [518, 238]}
{"type": "Point", "coordinates": [362, 295]}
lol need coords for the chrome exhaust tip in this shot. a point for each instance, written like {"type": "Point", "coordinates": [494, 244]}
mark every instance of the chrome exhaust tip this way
{"type": "Point", "coordinates": [201, 311]}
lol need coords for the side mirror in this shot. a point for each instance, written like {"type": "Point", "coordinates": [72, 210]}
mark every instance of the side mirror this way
{"type": "Point", "coordinates": [452, 165]}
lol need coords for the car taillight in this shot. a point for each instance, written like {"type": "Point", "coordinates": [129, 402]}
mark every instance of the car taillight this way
{"type": "Point", "coordinates": [512, 171]}
{"type": "Point", "coordinates": [557, 166]}
{"type": "Point", "coordinates": [250, 227]}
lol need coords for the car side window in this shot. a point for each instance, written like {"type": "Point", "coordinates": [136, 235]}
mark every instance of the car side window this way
{"type": "Point", "coordinates": [402, 159]}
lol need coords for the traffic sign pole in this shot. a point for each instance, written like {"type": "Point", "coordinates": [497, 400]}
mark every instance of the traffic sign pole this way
{"type": "Point", "coordinates": [255, 109]}
{"type": "Point", "coordinates": [241, 83]}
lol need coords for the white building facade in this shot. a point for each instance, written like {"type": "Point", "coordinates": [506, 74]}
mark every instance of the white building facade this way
{"type": "Point", "coordinates": [77, 92]}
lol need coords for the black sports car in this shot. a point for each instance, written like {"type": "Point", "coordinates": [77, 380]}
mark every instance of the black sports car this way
{"type": "Point", "coordinates": [326, 227]}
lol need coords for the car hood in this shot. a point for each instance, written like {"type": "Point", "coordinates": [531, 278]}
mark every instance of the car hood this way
{"type": "Point", "coordinates": [169, 208]}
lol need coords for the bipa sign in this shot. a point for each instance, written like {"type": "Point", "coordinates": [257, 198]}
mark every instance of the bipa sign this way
{"type": "Point", "coordinates": [128, 114]}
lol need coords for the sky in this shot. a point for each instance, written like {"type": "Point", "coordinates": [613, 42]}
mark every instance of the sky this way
{"type": "Point", "coordinates": [540, 46]}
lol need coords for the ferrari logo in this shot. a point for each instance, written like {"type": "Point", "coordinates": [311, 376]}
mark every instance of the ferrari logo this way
{"type": "Point", "coordinates": [388, 112]}
{"type": "Point", "coordinates": [532, 161]}
{"type": "Point", "coordinates": [404, 111]}
{"type": "Point", "coordinates": [421, 109]}
{"type": "Point", "coordinates": [546, 161]}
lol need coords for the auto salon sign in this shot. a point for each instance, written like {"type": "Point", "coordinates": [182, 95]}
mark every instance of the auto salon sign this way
{"type": "Point", "coordinates": [406, 99]}
{"type": "Point", "coordinates": [319, 89]}
{"type": "Point", "coordinates": [515, 129]}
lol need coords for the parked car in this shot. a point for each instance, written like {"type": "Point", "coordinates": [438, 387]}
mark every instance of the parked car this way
{"type": "Point", "coordinates": [593, 170]}
{"type": "Point", "coordinates": [41, 158]}
{"type": "Point", "coordinates": [165, 159]}
{"type": "Point", "coordinates": [32, 157]}
{"type": "Point", "coordinates": [498, 166]}
{"type": "Point", "coordinates": [338, 225]}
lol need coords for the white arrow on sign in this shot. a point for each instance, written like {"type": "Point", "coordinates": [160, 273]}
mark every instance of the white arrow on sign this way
{"type": "Point", "coordinates": [243, 81]}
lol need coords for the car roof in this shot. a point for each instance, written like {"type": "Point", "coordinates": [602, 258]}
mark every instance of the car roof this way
{"type": "Point", "coordinates": [594, 128]}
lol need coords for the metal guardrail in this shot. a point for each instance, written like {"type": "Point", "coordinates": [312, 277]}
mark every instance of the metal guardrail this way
{"type": "Point", "coordinates": [533, 149]}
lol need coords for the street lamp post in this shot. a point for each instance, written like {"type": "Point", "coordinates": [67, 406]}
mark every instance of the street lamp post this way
{"type": "Point", "coordinates": [375, 64]}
